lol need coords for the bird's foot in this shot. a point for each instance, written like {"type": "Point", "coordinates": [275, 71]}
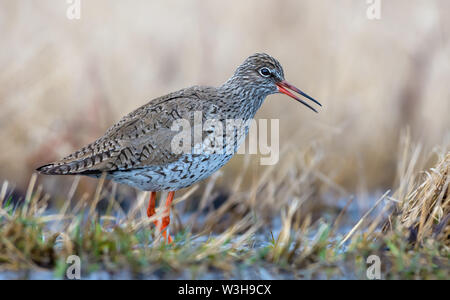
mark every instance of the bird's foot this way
{"type": "Point", "coordinates": [163, 227]}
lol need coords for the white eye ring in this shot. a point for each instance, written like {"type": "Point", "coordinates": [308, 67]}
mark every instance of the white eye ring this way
{"type": "Point", "coordinates": [265, 72]}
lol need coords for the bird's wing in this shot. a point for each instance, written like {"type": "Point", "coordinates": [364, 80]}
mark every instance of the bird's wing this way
{"type": "Point", "coordinates": [142, 138]}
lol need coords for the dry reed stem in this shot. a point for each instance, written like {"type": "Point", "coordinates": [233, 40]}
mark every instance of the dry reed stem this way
{"type": "Point", "coordinates": [353, 230]}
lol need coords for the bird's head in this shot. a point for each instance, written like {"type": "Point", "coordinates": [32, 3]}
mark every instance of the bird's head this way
{"type": "Point", "coordinates": [264, 75]}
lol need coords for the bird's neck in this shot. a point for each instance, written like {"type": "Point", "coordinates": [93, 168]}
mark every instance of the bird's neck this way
{"type": "Point", "coordinates": [243, 94]}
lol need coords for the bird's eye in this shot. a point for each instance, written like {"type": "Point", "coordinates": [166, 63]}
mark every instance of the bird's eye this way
{"type": "Point", "coordinates": [265, 72]}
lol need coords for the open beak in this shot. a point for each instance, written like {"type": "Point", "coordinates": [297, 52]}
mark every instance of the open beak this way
{"type": "Point", "coordinates": [284, 87]}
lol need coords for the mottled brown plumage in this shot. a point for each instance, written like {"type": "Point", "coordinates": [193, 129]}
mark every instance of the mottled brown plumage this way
{"type": "Point", "coordinates": [138, 149]}
{"type": "Point", "coordinates": [139, 139]}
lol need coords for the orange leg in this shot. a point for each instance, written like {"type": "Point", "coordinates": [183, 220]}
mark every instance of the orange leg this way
{"type": "Point", "coordinates": [166, 219]}
{"type": "Point", "coordinates": [151, 205]}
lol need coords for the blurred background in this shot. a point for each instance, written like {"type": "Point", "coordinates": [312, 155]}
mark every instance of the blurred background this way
{"type": "Point", "coordinates": [63, 82]}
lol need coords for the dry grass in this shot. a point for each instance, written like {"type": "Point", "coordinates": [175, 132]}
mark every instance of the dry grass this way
{"type": "Point", "coordinates": [425, 207]}
{"type": "Point", "coordinates": [234, 239]}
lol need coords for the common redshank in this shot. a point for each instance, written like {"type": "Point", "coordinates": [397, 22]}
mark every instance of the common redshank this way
{"type": "Point", "coordinates": [139, 149]}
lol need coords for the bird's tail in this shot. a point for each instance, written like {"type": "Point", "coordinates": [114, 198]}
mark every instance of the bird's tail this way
{"type": "Point", "coordinates": [56, 168]}
{"type": "Point", "coordinates": [90, 161]}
